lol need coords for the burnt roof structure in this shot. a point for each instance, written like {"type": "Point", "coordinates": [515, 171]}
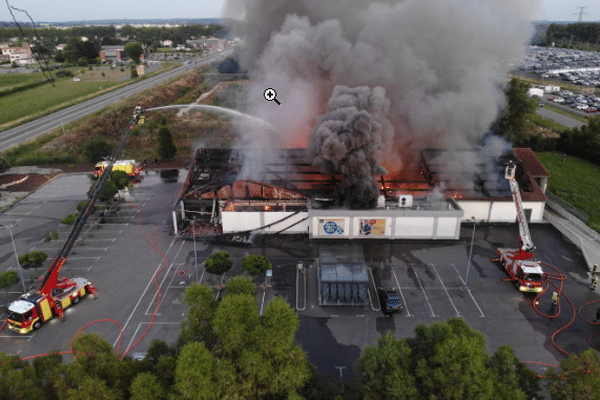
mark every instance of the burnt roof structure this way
{"type": "Point", "coordinates": [289, 179]}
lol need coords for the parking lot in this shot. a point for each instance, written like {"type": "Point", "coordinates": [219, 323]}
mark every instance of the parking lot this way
{"type": "Point", "coordinates": [119, 255]}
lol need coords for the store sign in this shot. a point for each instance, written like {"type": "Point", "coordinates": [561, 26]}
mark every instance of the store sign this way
{"type": "Point", "coordinates": [371, 227]}
{"type": "Point", "coordinates": [332, 226]}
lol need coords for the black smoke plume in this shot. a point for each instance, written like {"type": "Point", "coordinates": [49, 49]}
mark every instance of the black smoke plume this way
{"type": "Point", "coordinates": [348, 141]}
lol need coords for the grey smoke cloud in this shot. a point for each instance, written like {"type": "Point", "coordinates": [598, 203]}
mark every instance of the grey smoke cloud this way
{"type": "Point", "coordinates": [441, 63]}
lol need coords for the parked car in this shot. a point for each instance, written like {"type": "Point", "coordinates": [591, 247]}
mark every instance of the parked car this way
{"type": "Point", "coordinates": [390, 301]}
{"type": "Point", "coordinates": [591, 109]}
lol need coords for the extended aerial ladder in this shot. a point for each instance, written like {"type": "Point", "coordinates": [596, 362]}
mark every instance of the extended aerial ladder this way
{"type": "Point", "coordinates": [53, 295]}
{"type": "Point", "coordinates": [520, 263]}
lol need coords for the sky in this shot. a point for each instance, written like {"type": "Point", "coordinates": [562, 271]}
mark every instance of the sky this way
{"type": "Point", "coordinates": [76, 10]}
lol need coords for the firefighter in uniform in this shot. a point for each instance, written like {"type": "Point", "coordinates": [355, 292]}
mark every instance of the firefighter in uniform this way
{"type": "Point", "coordinates": [594, 282]}
{"type": "Point", "coordinates": [555, 297]}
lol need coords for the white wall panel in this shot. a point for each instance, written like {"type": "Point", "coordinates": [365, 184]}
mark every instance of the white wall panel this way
{"type": "Point", "coordinates": [414, 227]}
{"type": "Point", "coordinates": [446, 227]}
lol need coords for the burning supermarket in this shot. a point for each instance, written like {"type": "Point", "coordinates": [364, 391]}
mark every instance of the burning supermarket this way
{"type": "Point", "coordinates": [290, 195]}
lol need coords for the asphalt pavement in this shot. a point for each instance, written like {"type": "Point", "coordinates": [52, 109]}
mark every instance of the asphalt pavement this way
{"type": "Point", "coordinates": [30, 130]}
{"type": "Point", "coordinates": [119, 254]}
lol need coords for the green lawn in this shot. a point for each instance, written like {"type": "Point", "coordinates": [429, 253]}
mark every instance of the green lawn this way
{"type": "Point", "coordinates": [32, 101]}
{"type": "Point", "coordinates": [10, 80]}
{"type": "Point", "coordinates": [575, 181]}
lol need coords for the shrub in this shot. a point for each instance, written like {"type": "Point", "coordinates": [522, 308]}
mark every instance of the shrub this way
{"type": "Point", "coordinates": [4, 165]}
{"type": "Point", "coordinates": [134, 73]}
{"type": "Point", "coordinates": [63, 73]}
{"type": "Point", "coordinates": [96, 149]}
{"type": "Point", "coordinates": [33, 259]}
{"type": "Point", "coordinates": [54, 234]}
{"type": "Point", "coordinates": [82, 62]}
{"type": "Point", "coordinates": [218, 263]}
{"type": "Point", "coordinates": [69, 219]}
{"type": "Point", "coordinates": [255, 264]}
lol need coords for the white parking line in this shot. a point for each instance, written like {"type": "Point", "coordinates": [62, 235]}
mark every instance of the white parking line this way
{"type": "Point", "coordinates": [469, 290]}
{"type": "Point", "coordinates": [446, 290]}
{"type": "Point", "coordinates": [9, 221]}
{"type": "Point", "coordinates": [400, 290]}
{"type": "Point", "coordinates": [262, 302]}
{"type": "Point", "coordinates": [145, 290]}
{"type": "Point", "coordinates": [148, 312]}
{"type": "Point", "coordinates": [421, 286]}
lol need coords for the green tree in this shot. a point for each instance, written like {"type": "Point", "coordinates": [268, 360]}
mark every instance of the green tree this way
{"type": "Point", "coordinates": [384, 370]}
{"type": "Point", "coordinates": [166, 147]}
{"type": "Point", "coordinates": [134, 50]}
{"type": "Point", "coordinates": [33, 259]}
{"type": "Point", "coordinates": [241, 285]}
{"type": "Point", "coordinates": [195, 371]}
{"type": "Point", "coordinates": [257, 355]}
{"type": "Point", "coordinates": [108, 191]}
{"type": "Point", "coordinates": [444, 360]}
{"type": "Point", "coordinates": [514, 379]}
{"type": "Point", "coordinates": [579, 377]}
{"type": "Point", "coordinates": [134, 73]}
{"type": "Point", "coordinates": [255, 264]}
{"type": "Point", "coordinates": [96, 149]}
{"type": "Point", "coordinates": [218, 263]}
{"type": "Point", "coordinates": [146, 386]}
{"type": "Point", "coordinates": [201, 307]}
{"type": "Point", "coordinates": [7, 280]}
{"type": "Point", "coordinates": [514, 121]}
{"type": "Point", "coordinates": [121, 179]}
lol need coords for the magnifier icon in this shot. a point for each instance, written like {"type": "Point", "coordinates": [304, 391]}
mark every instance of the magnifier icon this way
{"type": "Point", "coordinates": [271, 95]}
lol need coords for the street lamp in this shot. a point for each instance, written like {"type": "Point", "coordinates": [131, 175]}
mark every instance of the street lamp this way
{"type": "Point", "coordinates": [466, 285]}
{"type": "Point", "coordinates": [16, 255]}
{"type": "Point", "coordinates": [195, 255]}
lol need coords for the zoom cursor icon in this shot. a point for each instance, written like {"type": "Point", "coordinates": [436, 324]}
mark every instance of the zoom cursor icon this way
{"type": "Point", "coordinates": [271, 95]}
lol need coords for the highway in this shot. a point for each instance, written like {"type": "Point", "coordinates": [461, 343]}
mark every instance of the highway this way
{"type": "Point", "coordinates": [30, 130]}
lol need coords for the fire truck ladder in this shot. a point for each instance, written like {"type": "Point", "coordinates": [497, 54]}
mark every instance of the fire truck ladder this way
{"type": "Point", "coordinates": [525, 237]}
{"type": "Point", "coordinates": [50, 279]}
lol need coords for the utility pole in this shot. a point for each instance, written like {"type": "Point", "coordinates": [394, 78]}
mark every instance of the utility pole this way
{"type": "Point", "coordinates": [16, 255]}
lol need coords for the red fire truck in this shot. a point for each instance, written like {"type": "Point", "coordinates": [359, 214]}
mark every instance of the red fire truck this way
{"type": "Point", "coordinates": [520, 263]}
{"type": "Point", "coordinates": [54, 295]}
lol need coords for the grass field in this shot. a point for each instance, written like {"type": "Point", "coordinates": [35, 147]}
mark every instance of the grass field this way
{"type": "Point", "coordinates": [575, 181]}
{"type": "Point", "coordinates": [19, 108]}
{"type": "Point", "coordinates": [10, 80]}
{"type": "Point", "coordinates": [32, 101]}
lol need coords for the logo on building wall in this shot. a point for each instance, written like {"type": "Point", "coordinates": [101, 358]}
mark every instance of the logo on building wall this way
{"type": "Point", "coordinates": [331, 226]}
{"type": "Point", "coordinates": [371, 227]}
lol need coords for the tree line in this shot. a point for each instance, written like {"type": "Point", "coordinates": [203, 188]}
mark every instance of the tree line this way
{"type": "Point", "coordinates": [573, 34]}
{"type": "Point", "coordinates": [48, 38]}
{"type": "Point", "coordinates": [514, 125]}
{"type": "Point", "coordinates": [226, 350]}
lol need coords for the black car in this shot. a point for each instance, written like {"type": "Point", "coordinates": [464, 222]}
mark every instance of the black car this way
{"type": "Point", "coordinates": [390, 301]}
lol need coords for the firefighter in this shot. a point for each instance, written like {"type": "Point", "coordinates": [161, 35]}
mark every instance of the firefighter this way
{"type": "Point", "coordinates": [594, 282]}
{"type": "Point", "coordinates": [555, 297]}
{"type": "Point", "coordinates": [597, 318]}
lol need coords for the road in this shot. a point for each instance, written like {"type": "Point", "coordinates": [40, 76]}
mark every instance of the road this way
{"type": "Point", "coordinates": [30, 130]}
{"type": "Point", "coordinates": [559, 118]}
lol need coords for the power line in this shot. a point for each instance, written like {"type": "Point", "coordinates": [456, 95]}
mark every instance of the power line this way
{"type": "Point", "coordinates": [50, 78]}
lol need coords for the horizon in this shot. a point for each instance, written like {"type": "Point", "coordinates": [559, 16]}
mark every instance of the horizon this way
{"type": "Point", "coordinates": [64, 11]}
